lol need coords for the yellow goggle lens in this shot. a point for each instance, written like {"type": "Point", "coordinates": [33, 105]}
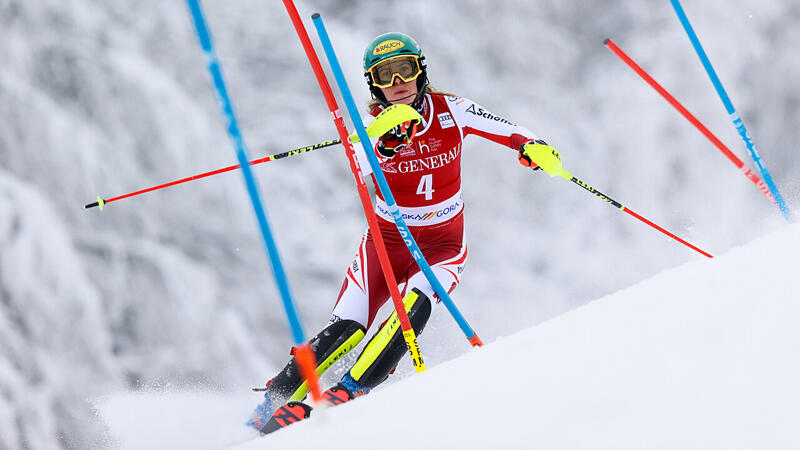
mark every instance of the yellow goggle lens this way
{"type": "Point", "coordinates": [406, 67]}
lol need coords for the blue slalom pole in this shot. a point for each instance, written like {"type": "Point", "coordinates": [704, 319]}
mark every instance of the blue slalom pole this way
{"type": "Point", "coordinates": [734, 116]}
{"type": "Point", "coordinates": [241, 155]}
{"type": "Point", "coordinates": [384, 186]}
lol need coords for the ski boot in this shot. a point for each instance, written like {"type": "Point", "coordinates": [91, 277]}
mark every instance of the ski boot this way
{"type": "Point", "coordinates": [329, 345]}
{"type": "Point", "coordinates": [345, 391]}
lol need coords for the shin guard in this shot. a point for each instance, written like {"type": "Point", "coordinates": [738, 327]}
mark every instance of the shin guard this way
{"type": "Point", "coordinates": [385, 349]}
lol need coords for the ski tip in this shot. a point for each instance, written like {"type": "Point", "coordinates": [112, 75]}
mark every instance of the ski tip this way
{"type": "Point", "coordinates": [337, 395]}
{"type": "Point", "coordinates": [286, 415]}
{"type": "Point", "coordinates": [315, 16]}
{"type": "Point", "coordinates": [605, 42]}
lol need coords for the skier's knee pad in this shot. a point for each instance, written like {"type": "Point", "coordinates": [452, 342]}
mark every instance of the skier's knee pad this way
{"type": "Point", "coordinates": [329, 345]}
{"type": "Point", "coordinates": [385, 349]}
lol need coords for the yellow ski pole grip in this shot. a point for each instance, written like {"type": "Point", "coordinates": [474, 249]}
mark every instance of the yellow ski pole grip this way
{"type": "Point", "coordinates": [388, 119]}
{"type": "Point", "coordinates": [547, 158]}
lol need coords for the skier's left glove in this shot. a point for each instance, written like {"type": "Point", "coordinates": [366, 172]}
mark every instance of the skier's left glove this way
{"type": "Point", "coordinates": [523, 157]}
{"type": "Point", "coordinates": [394, 139]}
{"type": "Point", "coordinates": [546, 157]}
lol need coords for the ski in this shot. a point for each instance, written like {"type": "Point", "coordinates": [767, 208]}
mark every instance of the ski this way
{"type": "Point", "coordinates": [294, 412]}
{"type": "Point", "coordinates": [286, 415]}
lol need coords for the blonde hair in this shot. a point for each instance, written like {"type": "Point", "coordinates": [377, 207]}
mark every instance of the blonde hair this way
{"type": "Point", "coordinates": [374, 103]}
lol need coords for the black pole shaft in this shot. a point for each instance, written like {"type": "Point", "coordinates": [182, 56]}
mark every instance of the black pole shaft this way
{"type": "Point", "coordinates": [597, 193]}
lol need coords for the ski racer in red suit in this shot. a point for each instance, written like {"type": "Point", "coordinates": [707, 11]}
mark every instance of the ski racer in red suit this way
{"type": "Point", "coordinates": [422, 165]}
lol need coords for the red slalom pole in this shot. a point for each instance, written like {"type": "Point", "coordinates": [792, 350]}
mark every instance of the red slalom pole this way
{"type": "Point", "coordinates": [363, 192]}
{"type": "Point", "coordinates": [691, 118]}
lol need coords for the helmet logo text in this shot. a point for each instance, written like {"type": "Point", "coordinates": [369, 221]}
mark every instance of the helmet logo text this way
{"type": "Point", "coordinates": [388, 46]}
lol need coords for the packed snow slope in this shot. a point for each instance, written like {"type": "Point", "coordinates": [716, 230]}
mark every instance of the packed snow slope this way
{"type": "Point", "coordinates": [702, 356]}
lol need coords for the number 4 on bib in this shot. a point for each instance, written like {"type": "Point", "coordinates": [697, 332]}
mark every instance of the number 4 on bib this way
{"type": "Point", "coordinates": [426, 186]}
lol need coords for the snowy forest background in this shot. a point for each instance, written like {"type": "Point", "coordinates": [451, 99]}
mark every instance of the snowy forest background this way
{"type": "Point", "coordinates": [171, 290]}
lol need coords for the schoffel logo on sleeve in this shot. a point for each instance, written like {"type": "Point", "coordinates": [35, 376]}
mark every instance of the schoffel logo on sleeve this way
{"type": "Point", "coordinates": [486, 114]}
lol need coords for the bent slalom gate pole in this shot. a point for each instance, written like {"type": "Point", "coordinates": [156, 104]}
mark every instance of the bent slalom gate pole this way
{"type": "Point", "coordinates": [738, 123]}
{"type": "Point", "coordinates": [416, 253]}
{"type": "Point", "coordinates": [304, 355]}
{"type": "Point", "coordinates": [549, 160]}
{"type": "Point", "coordinates": [102, 202]}
{"type": "Point", "coordinates": [363, 192]}
{"type": "Point", "coordinates": [691, 118]}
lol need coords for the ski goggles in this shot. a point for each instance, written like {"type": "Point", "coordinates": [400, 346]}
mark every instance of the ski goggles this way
{"type": "Point", "coordinates": [406, 67]}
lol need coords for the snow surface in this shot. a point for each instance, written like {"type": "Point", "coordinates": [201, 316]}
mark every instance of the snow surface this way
{"type": "Point", "coordinates": [170, 291]}
{"type": "Point", "coordinates": [702, 356]}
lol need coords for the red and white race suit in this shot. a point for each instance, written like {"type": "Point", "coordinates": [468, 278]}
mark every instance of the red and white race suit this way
{"type": "Point", "coordinates": [425, 179]}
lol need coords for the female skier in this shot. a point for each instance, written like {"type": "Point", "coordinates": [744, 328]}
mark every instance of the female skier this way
{"type": "Point", "coordinates": [422, 165]}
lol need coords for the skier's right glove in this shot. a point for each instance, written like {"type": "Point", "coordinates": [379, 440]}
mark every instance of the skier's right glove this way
{"type": "Point", "coordinates": [394, 139]}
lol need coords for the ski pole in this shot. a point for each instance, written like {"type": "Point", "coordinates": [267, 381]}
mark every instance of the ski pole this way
{"type": "Point", "coordinates": [304, 355]}
{"type": "Point", "coordinates": [691, 118]}
{"type": "Point", "coordinates": [384, 186]}
{"type": "Point", "coordinates": [549, 160]}
{"type": "Point", "coordinates": [363, 192]}
{"type": "Point", "coordinates": [102, 202]}
{"type": "Point", "coordinates": [734, 116]}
